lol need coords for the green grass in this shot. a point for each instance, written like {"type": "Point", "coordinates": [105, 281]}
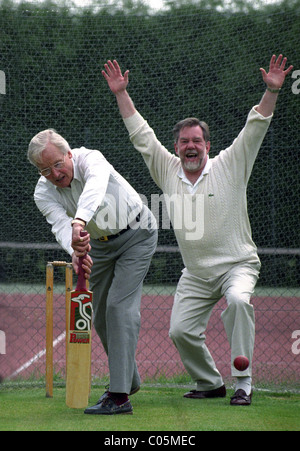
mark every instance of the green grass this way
{"type": "Point", "coordinates": [155, 409]}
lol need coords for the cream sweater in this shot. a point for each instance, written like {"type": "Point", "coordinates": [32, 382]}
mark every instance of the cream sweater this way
{"type": "Point", "coordinates": [212, 227]}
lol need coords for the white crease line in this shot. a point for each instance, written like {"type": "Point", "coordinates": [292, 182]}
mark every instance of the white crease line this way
{"type": "Point", "coordinates": [37, 356]}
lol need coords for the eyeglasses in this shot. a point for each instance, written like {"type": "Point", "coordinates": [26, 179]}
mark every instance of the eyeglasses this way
{"type": "Point", "coordinates": [47, 171]}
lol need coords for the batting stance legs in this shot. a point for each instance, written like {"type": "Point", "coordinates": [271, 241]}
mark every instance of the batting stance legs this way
{"type": "Point", "coordinates": [119, 269]}
{"type": "Point", "coordinates": [194, 301]}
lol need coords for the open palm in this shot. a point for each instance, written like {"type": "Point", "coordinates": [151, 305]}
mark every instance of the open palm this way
{"type": "Point", "coordinates": [113, 75]}
{"type": "Point", "coordinates": [275, 77]}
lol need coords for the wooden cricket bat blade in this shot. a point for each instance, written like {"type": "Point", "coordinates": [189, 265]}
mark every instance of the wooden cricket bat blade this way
{"type": "Point", "coordinates": [79, 344]}
{"type": "Point", "coordinates": [78, 376]}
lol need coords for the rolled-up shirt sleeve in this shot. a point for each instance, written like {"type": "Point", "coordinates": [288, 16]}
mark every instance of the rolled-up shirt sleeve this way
{"type": "Point", "coordinates": [48, 202]}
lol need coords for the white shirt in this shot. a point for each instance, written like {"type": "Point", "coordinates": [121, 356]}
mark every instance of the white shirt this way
{"type": "Point", "coordinates": [98, 194]}
{"type": "Point", "coordinates": [192, 188]}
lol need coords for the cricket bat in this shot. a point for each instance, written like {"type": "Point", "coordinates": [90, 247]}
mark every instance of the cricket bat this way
{"type": "Point", "coordinates": [79, 343]}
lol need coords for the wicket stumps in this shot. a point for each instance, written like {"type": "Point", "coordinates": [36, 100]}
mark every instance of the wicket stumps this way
{"type": "Point", "coordinates": [49, 316]}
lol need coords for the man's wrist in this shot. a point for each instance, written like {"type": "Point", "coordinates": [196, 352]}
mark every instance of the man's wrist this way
{"type": "Point", "coordinates": [78, 221]}
{"type": "Point", "coordinates": [273, 91]}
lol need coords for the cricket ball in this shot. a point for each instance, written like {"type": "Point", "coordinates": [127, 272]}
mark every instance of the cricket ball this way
{"type": "Point", "coordinates": [241, 363]}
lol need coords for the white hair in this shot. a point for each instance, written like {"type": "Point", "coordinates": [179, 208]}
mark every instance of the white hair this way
{"type": "Point", "coordinates": [39, 142]}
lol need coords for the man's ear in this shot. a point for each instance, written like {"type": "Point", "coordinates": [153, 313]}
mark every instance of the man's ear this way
{"type": "Point", "coordinates": [176, 149]}
{"type": "Point", "coordinates": [207, 146]}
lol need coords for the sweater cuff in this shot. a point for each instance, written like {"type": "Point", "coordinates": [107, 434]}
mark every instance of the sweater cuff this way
{"type": "Point", "coordinates": [134, 122]}
{"type": "Point", "coordinates": [260, 115]}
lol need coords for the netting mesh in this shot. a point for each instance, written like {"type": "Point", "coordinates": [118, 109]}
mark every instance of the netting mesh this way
{"type": "Point", "coordinates": [189, 61]}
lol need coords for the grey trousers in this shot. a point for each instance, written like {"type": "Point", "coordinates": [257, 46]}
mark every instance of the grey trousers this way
{"type": "Point", "coordinates": [119, 268]}
{"type": "Point", "coordinates": [194, 300]}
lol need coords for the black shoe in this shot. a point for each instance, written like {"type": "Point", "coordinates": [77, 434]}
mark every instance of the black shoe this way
{"type": "Point", "coordinates": [240, 398]}
{"type": "Point", "coordinates": [109, 407]}
{"type": "Point", "coordinates": [217, 393]}
{"type": "Point", "coordinates": [105, 394]}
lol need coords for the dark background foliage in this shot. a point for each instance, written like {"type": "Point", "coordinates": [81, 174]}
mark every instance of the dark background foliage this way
{"type": "Point", "coordinates": [194, 59]}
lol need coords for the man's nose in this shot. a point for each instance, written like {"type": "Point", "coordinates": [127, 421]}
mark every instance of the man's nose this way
{"type": "Point", "coordinates": [55, 172]}
{"type": "Point", "coordinates": [191, 144]}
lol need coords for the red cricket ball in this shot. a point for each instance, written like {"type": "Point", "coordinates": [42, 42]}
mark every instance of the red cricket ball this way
{"type": "Point", "coordinates": [241, 363]}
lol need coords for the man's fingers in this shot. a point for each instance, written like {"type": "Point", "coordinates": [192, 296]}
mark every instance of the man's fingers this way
{"type": "Point", "coordinates": [288, 70]}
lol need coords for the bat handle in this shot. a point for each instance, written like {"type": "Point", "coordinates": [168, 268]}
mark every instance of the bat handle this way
{"type": "Point", "coordinates": [81, 281]}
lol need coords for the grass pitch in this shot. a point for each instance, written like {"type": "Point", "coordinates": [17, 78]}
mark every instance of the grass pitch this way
{"type": "Point", "coordinates": [155, 409]}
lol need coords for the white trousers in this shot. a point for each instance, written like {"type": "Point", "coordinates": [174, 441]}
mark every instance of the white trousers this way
{"type": "Point", "coordinates": [194, 301]}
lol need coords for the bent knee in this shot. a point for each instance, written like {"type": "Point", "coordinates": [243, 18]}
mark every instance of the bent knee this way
{"type": "Point", "coordinates": [175, 331]}
{"type": "Point", "coordinates": [237, 298]}
{"type": "Point", "coordinates": [179, 330]}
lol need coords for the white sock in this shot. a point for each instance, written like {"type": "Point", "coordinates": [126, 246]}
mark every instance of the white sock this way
{"type": "Point", "coordinates": [244, 383]}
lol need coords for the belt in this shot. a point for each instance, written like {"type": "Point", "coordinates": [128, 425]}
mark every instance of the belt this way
{"type": "Point", "coordinates": [112, 237]}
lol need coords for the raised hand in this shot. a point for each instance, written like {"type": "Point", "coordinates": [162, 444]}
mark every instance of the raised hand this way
{"type": "Point", "coordinates": [275, 77]}
{"type": "Point", "coordinates": [113, 75]}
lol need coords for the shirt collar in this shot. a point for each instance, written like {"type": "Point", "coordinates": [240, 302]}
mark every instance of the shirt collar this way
{"type": "Point", "coordinates": [205, 171]}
